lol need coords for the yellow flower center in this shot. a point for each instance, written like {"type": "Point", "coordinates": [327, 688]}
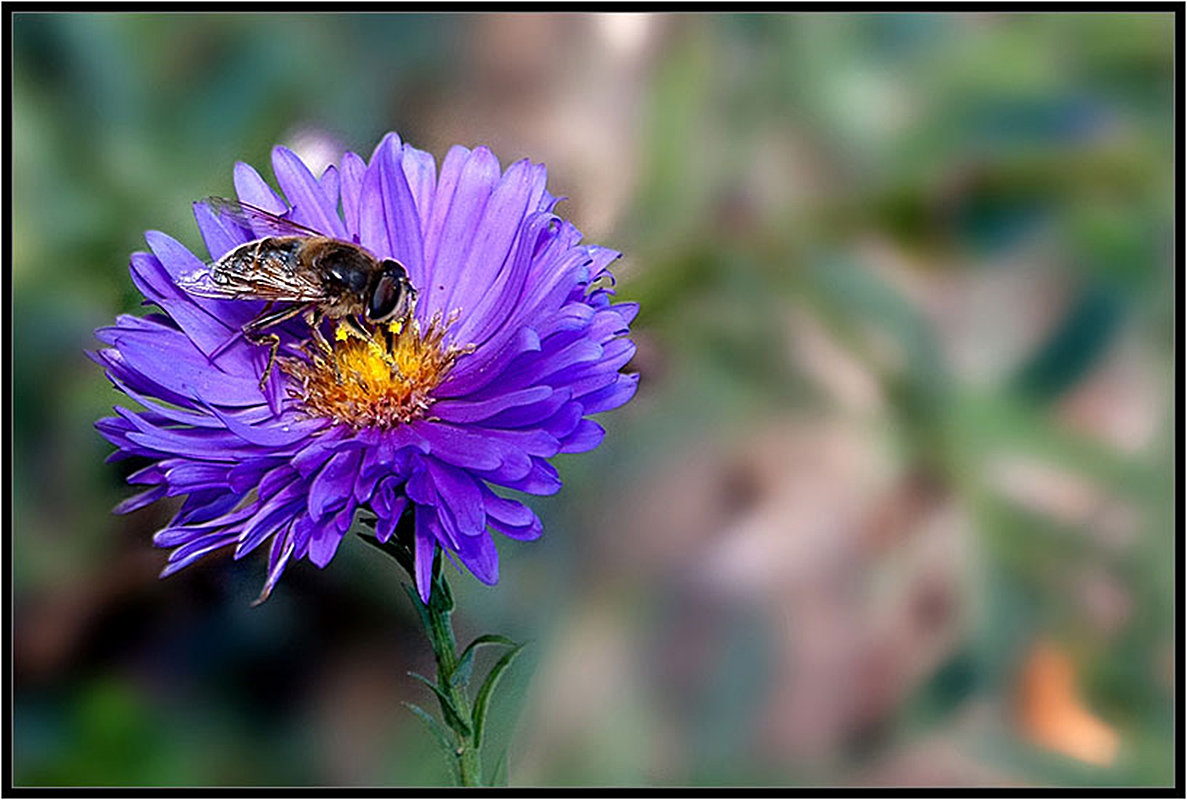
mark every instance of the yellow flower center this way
{"type": "Point", "coordinates": [381, 380]}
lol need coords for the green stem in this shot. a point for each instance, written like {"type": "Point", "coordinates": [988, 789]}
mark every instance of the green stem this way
{"type": "Point", "coordinates": [455, 706]}
{"type": "Point", "coordinates": [440, 632]}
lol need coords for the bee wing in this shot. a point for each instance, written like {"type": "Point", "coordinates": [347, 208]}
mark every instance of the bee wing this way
{"type": "Point", "coordinates": [202, 284]}
{"type": "Point", "coordinates": [258, 220]}
{"type": "Point", "coordinates": [269, 280]}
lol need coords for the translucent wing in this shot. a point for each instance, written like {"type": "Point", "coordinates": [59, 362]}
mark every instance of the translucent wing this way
{"type": "Point", "coordinates": [264, 269]}
{"type": "Point", "coordinates": [256, 219]}
{"type": "Point", "coordinates": [202, 283]}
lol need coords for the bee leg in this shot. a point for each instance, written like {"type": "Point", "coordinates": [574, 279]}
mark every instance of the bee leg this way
{"type": "Point", "coordinates": [314, 317]}
{"type": "Point", "coordinates": [268, 318]}
{"type": "Point", "coordinates": [235, 337]}
{"type": "Point", "coordinates": [356, 327]}
{"type": "Point", "coordinates": [273, 341]}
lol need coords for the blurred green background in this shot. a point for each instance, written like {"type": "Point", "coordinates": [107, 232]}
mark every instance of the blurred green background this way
{"type": "Point", "coordinates": [894, 504]}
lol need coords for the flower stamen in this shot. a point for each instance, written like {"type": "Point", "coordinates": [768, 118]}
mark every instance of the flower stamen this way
{"type": "Point", "coordinates": [381, 380]}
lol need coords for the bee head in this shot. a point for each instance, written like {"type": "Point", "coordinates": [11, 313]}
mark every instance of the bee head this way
{"type": "Point", "coordinates": [390, 293]}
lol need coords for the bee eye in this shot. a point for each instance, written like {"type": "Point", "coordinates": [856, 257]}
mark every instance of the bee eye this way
{"type": "Point", "coordinates": [384, 300]}
{"type": "Point", "coordinates": [394, 269]}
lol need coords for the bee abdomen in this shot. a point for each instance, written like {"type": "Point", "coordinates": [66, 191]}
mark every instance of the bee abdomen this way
{"type": "Point", "coordinates": [261, 255]}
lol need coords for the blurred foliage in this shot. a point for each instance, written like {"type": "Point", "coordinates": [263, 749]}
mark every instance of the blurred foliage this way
{"type": "Point", "coordinates": [774, 161]}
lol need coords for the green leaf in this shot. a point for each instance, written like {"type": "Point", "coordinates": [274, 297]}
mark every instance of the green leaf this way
{"type": "Point", "coordinates": [452, 717]}
{"type": "Point", "coordinates": [438, 732]}
{"type": "Point", "coordinates": [465, 664]}
{"type": "Point", "coordinates": [1075, 346]}
{"type": "Point", "coordinates": [488, 687]}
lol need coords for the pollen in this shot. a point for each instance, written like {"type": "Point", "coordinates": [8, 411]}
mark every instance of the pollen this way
{"type": "Point", "coordinates": [380, 380]}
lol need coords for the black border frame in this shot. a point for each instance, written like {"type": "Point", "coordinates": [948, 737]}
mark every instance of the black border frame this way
{"type": "Point", "coordinates": [7, 789]}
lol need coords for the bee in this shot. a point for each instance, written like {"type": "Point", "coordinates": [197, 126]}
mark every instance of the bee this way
{"type": "Point", "coordinates": [316, 275]}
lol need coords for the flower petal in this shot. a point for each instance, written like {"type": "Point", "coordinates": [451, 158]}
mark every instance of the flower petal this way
{"type": "Point", "coordinates": [254, 190]}
{"type": "Point", "coordinates": [479, 555]}
{"type": "Point", "coordinates": [461, 498]}
{"type": "Point", "coordinates": [323, 544]}
{"type": "Point", "coordinates": [461, 447]}
{"type": "Point", "coordinates": [353, 169]}
{"type": "Point", "coordinates": [399, 209]}
{"type": "Point", "coordinates": [505, 511]}
{"type": "Point", "coordinates": [373, 230]}
{"type": "Point", "coordinates": [178, 365]}
{"type": "Point", "coordinates": [140, 500]}
{"type": "Point", "coordinates": [478, 369]}
{"type": "Point", "coordinates": [183, 557]}
{"type": "Point", "coordinates": [542, 479]}
{"type": "Point", "coordinates": [205, 329]}
{"type": "Point", "coordinates": [420, 170]}
{"type": "Point", "coordinates": [461, 411]}
{"type": "Point", "coordinates": [460, 222]}
{"type": "Point", "coordinates": [330, 183]}
{"type": "Point", "coordinates": [220, 235]}
{"type": "Point", "coordinates": [334, 483]}
{"type": "Point", "coordinates": [612, 396]}
{"type": "Point", "coordinates": [388, 511]}
{"type": "Point", "coordinates": [426, 546]}
{"type": "Point", "coordinates": [451, 171]}
{"type": "Point", "coordinates": [474, 288]}
{"type": "Point", "coordinates": [585, 437]}
{"type": "Point", "coordinates": [275, 432]}
{"type": "Point", "coordinates": [310, 205]}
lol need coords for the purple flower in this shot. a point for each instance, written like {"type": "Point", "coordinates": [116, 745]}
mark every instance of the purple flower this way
{"type": "Point", "coordinates": [512, 344]}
